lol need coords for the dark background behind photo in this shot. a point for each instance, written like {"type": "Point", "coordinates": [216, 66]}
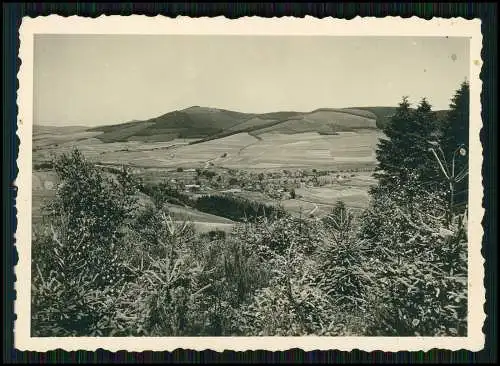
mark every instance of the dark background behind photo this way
{"type": "Point", "coordinates": [12, 15]}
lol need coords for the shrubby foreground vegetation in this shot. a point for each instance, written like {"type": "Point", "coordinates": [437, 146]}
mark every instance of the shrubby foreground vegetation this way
{"type": "Point", "coordinates": [103, 265]}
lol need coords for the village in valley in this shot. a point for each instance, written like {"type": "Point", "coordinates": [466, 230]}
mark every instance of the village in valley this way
{"type": "Point", "coordinates": [300, 191]}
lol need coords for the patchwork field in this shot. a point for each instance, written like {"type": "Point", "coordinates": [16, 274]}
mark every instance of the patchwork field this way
{"type": "Point", "coordinates": [98, 151]}
{"type": "Point", "coordinates": [242, 151]}
{"type": "Point", "coordinates": [319, 201]}
{"type": "Point", "coordinates": [323, 121]}
{"type": "Point", "coordinates": [307, 150]}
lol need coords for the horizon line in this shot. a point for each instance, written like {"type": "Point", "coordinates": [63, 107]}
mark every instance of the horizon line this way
{"type": "Point", "coordinates": [57, 124]}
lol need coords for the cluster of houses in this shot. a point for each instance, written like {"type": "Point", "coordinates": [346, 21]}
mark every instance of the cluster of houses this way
{"type": "Point", "coordinates": [275, 184]}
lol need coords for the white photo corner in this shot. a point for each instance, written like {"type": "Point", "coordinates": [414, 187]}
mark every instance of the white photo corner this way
{"type": "Point", "coordinates": [249, 184]}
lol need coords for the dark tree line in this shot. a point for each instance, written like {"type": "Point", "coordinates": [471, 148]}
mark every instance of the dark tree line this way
{"type": "Point", "coordinates": [234, 208]}
{"type": "Point", "coordinates": [237, 209]}
{"type": "Point", "coordinates": [163, 192]}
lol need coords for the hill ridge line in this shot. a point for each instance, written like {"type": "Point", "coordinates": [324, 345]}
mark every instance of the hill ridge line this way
{"type": "Point", "coordinates": [199, 124]}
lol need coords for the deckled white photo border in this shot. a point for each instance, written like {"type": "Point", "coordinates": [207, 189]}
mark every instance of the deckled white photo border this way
{"type": "Point", "coordinates": [389, 26]}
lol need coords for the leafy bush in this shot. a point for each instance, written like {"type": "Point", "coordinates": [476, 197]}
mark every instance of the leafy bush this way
{"type": "Point", "coordinates": [78, 256]}
{"type": "Point", "coordinates": [193, 286]}
{"type": "Point", "coordinates": [94, 205]}
{"type": "Point", "coordinates": [68, 287]}
{"type": "Point", "coordinates": [154, 302]}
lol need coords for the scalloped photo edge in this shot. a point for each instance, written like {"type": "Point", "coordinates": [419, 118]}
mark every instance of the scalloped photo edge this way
{"type": "Point", "coordinates": [289, 26]}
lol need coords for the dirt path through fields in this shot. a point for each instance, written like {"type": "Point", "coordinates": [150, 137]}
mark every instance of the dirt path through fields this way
{"type": "Point", "coordinates": [250, 144]}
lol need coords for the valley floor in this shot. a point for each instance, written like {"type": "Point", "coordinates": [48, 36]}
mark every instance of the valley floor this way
{"type": "Point", "coordinates": [345, 162]}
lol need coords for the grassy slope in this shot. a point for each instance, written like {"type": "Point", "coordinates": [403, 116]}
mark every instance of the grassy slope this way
{"type": "Point", "coordinates": [322, 121]}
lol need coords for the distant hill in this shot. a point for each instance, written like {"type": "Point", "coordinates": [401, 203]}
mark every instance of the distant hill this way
{"type": "Point", "coordinates": [194, 122]}
{"type": "Point", "coordinates": [384, 114]}
{"type": "Point", "coordinates": [203, 123]}
{"type": "Point", "coordinates": [190, 123]}
{"type": "Point", "coordinates": [323, 120]}
{"type": "Point", "coordinates": [57, 130]}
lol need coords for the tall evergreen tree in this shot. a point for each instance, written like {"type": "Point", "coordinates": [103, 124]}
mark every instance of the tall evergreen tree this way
{"type": "Point", "coordinates": [391, 152]}
{"type": "Point", "coordinates": [424, 128]}
{"type": "Point", "coordinates": [455, 133]}
{"type": "Point", "coordinates": [405, 153]}
{"type": "Point", "coordinates": [456, 126]}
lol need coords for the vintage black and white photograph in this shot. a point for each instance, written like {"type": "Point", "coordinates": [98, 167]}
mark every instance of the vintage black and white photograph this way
{"type": "Point", "coordinates": [251, 185]}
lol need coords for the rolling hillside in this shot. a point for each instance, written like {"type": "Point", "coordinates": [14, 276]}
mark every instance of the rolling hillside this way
{"type": "Point", "coordinates": [203, 124]}
{"type": "Point", "coordinates": [208, 123]}
{"type": "Point", "coordinates": [323, 121]}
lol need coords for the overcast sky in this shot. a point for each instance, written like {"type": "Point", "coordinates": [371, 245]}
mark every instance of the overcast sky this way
{"type": "Point", "coordinates": [105, 79]}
